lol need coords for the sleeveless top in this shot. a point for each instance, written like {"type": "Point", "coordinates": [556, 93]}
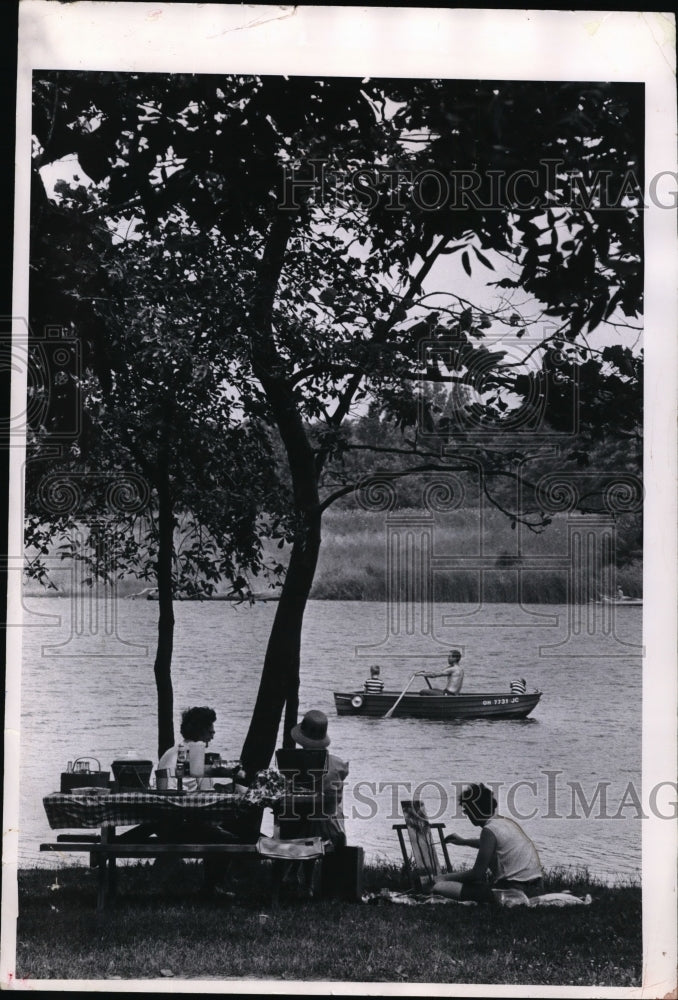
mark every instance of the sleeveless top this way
{"type": "Point", "coordinates": [517, 856]}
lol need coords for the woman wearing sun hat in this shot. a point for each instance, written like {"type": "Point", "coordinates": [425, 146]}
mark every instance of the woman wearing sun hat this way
{"type": "Point", "coordinates": [311, 733]}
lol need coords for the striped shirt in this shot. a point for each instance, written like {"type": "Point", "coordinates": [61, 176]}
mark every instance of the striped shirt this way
{"type": "Point", "coordinates": [518, 687]}
{"type": "Point", "coordinates": [373, 686]}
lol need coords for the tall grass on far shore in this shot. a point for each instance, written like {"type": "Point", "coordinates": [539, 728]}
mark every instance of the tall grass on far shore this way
{"type": "Point", "coordinates": [354, 564]}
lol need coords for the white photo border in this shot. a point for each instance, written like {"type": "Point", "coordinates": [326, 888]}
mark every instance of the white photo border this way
{"type": "Point", "coordinates": [400, 42]}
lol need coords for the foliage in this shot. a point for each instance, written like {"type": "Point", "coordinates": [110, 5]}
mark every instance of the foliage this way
{"type": "Point", "coordinates": [233, 156]}
{"type": "Point", "coordinates": [352, 564]}
{"type": "Point", "coordinates": [154, 402]}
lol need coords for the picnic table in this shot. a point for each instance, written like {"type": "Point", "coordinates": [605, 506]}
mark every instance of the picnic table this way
{"type": "Point", "coordinates": [88, 809]}
{"type": "Point", "coordinates": [148, 816]}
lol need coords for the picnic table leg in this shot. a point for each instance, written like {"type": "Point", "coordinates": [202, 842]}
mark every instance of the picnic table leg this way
{"type": "Point", "coordinates": [313, 878]}
{"type": "Point", "coordinates": [112, 878]}
{"type": "Point", "coordinates": [102, 884]}
{"type": "Point", "coordinates": [277, 870]}
{"type": "Point", "coordinates": [107, 872]}
{"type": "Point", "coordinates": [446, 855]}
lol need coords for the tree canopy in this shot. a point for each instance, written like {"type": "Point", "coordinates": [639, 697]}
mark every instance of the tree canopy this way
{"type": "Point", "coordinates": [166, 480]}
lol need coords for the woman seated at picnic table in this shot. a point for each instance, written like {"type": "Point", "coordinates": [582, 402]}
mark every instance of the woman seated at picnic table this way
{"type": "Point", "coordinates": [327, 818]}
{"type": "Point", "coordinates": [197, 727]}
{"type": "Point", "coordinates": [504, 850]}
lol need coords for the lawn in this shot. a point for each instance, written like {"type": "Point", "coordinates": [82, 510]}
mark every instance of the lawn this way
{"type": "Point", "coordinates": [165, 928]}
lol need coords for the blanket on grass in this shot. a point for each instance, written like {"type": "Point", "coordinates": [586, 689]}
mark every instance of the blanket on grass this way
{"type": "Point", "coordinates": [506, 897]}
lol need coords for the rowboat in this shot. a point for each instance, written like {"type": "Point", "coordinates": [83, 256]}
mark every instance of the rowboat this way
{"type": "Point", "coordinates": [153, 596]}
{"type": "Point", "coordinates": [623, 602]}
{"type": "Point", "coordinates": [491, 705]}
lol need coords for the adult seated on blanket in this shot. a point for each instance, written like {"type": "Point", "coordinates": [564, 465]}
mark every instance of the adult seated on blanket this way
{"type": "Point", "coordinates": [454, 672]}
{"type": "Point", "coordinates": [504, 850]}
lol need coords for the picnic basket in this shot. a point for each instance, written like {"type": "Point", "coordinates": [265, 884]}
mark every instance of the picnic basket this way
{"type": "Point", "coordinates": [132, 774]}
{"type": "Point", "coordinates": [85, 776]}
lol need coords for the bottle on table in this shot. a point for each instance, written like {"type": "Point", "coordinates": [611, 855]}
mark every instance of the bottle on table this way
{"type": "Point", "coordinates": [182, 768]}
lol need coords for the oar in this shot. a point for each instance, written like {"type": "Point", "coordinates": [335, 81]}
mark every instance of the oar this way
{"type": "Point", "coordinates": [399, 699]}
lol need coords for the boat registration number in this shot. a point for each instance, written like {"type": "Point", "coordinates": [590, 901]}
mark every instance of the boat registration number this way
{"type": "Point", "coordinates": [500, 701]}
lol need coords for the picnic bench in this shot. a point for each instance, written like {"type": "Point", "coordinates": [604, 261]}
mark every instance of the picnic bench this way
{"type": "Point", "coordinates": [140, 811]}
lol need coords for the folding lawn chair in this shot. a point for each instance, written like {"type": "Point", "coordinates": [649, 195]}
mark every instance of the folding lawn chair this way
{"type": "Point", "coordinates": [424, 863]}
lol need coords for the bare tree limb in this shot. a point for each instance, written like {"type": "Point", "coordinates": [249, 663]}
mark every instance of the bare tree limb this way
{"type": "Point", "coordinates": [380, 335]}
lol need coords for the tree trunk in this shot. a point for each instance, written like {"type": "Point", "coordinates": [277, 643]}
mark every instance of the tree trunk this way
{"type": "Point", "coordinates": [163, 657]}
{"type": "Point", "coordinates": [279, 683]}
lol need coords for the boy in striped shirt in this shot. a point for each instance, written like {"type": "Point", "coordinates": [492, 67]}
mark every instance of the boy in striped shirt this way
{"type": "Point", "coordinates": [374, 684]}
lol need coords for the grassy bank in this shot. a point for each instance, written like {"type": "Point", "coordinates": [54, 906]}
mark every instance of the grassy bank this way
{"type": "Point", "coordinates": [168, 929]}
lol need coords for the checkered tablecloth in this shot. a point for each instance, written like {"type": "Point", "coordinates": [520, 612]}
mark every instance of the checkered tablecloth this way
{"type": "Point", "coordinates": [82, 811]}
{"type": "Point", "coordinates": [84, 808]}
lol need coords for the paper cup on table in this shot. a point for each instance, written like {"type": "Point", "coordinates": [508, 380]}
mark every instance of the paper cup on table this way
{"type": "Point", "coordinates": [162, 779]}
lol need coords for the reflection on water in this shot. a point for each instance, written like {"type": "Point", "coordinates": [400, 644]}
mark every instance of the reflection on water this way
{"type": "Point", "coordinates": [91, 695]}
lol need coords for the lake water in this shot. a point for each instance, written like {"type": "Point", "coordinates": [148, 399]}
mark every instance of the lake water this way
{"type": "Point", "coordinates": [88, 690]}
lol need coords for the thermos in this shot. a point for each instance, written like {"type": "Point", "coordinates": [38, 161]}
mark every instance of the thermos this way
{"type": "Point", "coordinates": [196, 760]}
